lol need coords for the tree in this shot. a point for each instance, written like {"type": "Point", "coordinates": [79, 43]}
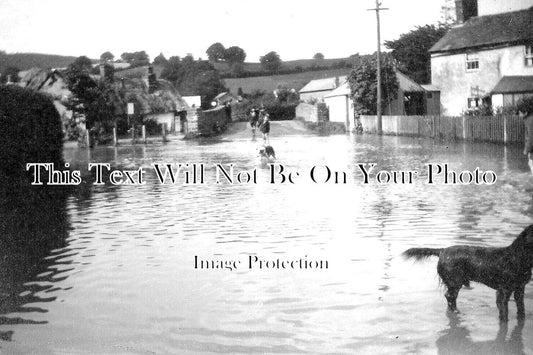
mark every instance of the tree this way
{"type": "Point", "coordinates": [411, 51]}
{"type": "Point", "coordinates": [318, 56]}
{"type": "Point", "coordinates": [271, 61]}
{"type": "Point", "coordinates": [11, 73]}
{"type": "Point", "coordinates": [160, 60]}
{"type": "Point", "coordinates": [107, 57]}
{"type": "Point", "coordinates": [363, 85]}
{"type": "Point", "coordinates": [234, 55]}
{"type": "Point", "coordinates": [192, 77]}
{"type": "Point", "coordinates": [216, 52]}
{"type": "Point", "coordinates": [171, 70]}
{"type": "Point", "coordinates": [91, 99]}
{"type": "Point", "coordinates": [136, 59]}
{"type": "Point", "coordinates": [80, 65]}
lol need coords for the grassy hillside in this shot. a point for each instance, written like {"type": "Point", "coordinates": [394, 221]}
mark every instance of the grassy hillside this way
{"type": "Point", "coordinates": [25, 61]}
{"type": "Point", "coordinates": [291, 81]}
{"type": "Point", "coordinates": [291, 64]}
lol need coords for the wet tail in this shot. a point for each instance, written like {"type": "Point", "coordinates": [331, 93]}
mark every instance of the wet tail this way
{"type": "Point", "coordinates": [421, 253]}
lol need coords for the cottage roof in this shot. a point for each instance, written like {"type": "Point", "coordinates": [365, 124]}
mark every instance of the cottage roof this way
{"type": "Point", "coordinates": [50, 81]}
{"type": "Point", "coordinates": [404, 82]}
{"type": "Point", "coordinates": [407, 84]}
{"type": "Point", "coordinates": [165, 97]}
{"type": "Point", "coordinates": [326, 84]}
{"type": "Point", "coordinates": [430, 87]}
{"type": "Point", "coordinates": [132, 87]}
{"type": "Point", "coordinates": [343, 90]}
{"type": "Point", "coordinates": [514, 84]}
{"type": "Point", "coordinates": [486, 31]}
{"type": "Point", "coordinates": [35, 78]}
{"type": "Point", "coordinates": [221, 95]}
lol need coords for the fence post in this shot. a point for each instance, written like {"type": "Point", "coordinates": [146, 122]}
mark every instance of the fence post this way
{"type": "Point", "coordinates": [144, 134]}
{"type": "Point", "coordinates": [88, 138]}
{"type": "Point", "coordinates": [164, 130]}
{"type": "Point", "coordinates": [115, 140]}
{"type": "Point", "coordinates": [505, 129]}
{"type": "Point", "coordinates": [397, 125]}
{"type": "Point", "coordinates": [464, 128]}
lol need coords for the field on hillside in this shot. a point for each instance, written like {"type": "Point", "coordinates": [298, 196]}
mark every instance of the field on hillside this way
{"type": "Point", "coordinates": [290, 64]}
{"type": "Point", "coordinates": [269, 83]}
{"type": "Point", "coordinates": [25, 61]}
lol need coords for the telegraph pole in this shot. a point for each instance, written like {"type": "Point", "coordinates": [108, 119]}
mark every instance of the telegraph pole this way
{"type": "Point", "coordinates": [378, 74]}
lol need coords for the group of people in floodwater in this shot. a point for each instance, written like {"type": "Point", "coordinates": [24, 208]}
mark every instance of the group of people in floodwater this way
{"type": "Point", "coordinates": [259, 118]}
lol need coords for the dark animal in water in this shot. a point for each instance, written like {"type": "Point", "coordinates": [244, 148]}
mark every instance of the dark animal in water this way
{"type": "Point", "coordinates": [507, 269]}
{"type": "Point", "coordinates": [267, 152]}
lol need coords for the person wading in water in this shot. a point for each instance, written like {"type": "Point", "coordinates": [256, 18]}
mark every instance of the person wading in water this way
{"type": "Point", "coordinates": [525, 111]}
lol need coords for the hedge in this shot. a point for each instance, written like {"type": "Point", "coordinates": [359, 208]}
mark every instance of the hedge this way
{"type": "Point", "coordinates": [280, 112]}
{"type": "Point", "coordinates": [30, 127]}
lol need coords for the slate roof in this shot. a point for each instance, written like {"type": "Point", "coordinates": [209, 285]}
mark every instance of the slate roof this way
{"type": "Point", "coordinates": [326, 84]}
{"type": "Point", "coordinates": [488, 31]}
{"type": "Point", "coordinates": [513, 84]}
{"type": "Point", "coordinates": [404, 82]}
{"type": "Point", "coordinates": [342, 90]}
{"type": "Point", "coordinates": [407, 84]}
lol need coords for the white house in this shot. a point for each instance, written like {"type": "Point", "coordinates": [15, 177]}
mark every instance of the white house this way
{"type": "Point", "coordinates": [487, 60]}
{"type": "Point", "coordinates": [340, 105]}
{"type": "Point", "coordinates": [411, 99]}
{"type": "Point", "coordinates": [315, 90]}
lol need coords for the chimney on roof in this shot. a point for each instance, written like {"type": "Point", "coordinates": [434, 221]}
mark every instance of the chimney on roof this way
{"type": "Point", "coordinates": [152, 80]}
{"type": "Point", "coordinates": [465, 9]}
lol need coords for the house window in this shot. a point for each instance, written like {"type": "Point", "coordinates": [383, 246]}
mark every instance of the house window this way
{"type": "Point", "coordinates": [472, 62]}
{"type": "Point", "coordinates": [528, 56]}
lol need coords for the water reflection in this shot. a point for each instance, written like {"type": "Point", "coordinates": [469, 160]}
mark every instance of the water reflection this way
{"type": "Point", "coordinates": [33, 223]}
{"type": "Point", "coordinates": [457, 339]}
{"type": "Point", "coordinates": [115, 263]}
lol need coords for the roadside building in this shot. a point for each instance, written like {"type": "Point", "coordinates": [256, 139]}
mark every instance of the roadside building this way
{"type": "Point", "coordinates": [315, 90]}
{"type": "Point", "coordinates": [224, 98]}
{"type": "Point", "coordinates": [340, 104]}
{"type": "Point", "coordinates": [51, 82]}
{"type": "Point", "coordinates": [155, 99]}
{"type": "Point", "coordinates": [411, 99]}
{"type": "Point", "coordinates": [487, 60]}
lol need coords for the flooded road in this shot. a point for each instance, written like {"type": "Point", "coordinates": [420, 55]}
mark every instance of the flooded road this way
{"type": "Point", "coordinates": [165, 268]}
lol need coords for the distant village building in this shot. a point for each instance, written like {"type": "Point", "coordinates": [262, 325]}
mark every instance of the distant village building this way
{"type": "Point", "coordinates": [224, 98]}
{"type": "Point", "coordinates": [193, 101]}
{"type": "Point", "coordinates": [317, 89]}
{"type": "Point", "coordinates": [411, 99]}
{"type": "Point", "coordinates": [487, 59]}
{"type": "Point", "coordinates": [155, 99]}
{"type": "Point", "coordinates": [51, 82]}
{"type": "Point", "coordinates": [340, 104]}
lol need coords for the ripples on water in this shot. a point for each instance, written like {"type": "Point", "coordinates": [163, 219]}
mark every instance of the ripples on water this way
{"type": "Point", "coordinates": [110, 269]}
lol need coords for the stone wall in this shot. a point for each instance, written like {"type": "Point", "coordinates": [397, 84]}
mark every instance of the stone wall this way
{"type": "Point", "coordinates": [312, 113]}
{"type": "Point", "coordinates": [212, 121]}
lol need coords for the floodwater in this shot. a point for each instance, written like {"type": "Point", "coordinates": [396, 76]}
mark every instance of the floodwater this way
{"type": "Point", "coordinates": [111, 269]}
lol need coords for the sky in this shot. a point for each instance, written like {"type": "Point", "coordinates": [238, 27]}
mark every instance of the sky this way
{"type": "Point", "coordinates": [295, 29]}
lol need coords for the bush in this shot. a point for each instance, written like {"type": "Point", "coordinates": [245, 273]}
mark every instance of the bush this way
{"type": "Point", "coordinates": [279, 112]}
{"type": "Point", "coordinates": [525, 105]}
{"type": "Point", "coordinates": [483, 110]}
{"type": "Point", "coordinates": [152, 127]}
{"type": "Point", "coordinates": [30, 127]}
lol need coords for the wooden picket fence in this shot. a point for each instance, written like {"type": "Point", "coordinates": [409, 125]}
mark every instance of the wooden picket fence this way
{"type": "Point", "coordinates": [497, 129]}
